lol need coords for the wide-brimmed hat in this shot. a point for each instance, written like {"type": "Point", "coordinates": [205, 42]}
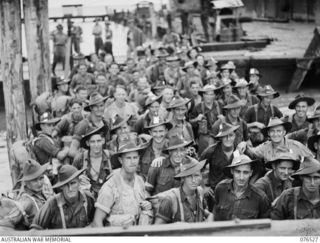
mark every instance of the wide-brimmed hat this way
{"type": "Point", "coordinates": [316, 114]}
{"type": "Point", "coordinates": [225, 129]}
{"type": "Point", "coordinates": [223, 83]}
{"type": "Point", "coordinates": [67, 173]}
{"type": "Point", "coordinates": [92, 131]}
{"type": "Point", "coordinates": [158, 86]}
{"type": "Point", "coordinates": [275, 121]}
{"type": "Point", "coordinates": [284, 156]}
{"type": "Point", "coordinates": [59, 26]}
{"type": "Point", "coordinates": [229, 65]}
{"type": "Point", "coordinates": [157, 121]}
{"type": "Point", "coordinates": [185, 36]}
{"type": "Point", "coordinates": [175, 103]}
{"type": "Point", "coordinates": [46, 118]}
{"type": "Point", "coordinates": [300, 97]}
{"type": "Point", "coordinates": [234, 102]}
{"type": "Point", "coordinates": [197, 48]}
{"type": "Point", "coordinates": [176, 142]}
{"type": "Point", "coordinates": [32, 170]}
{"type": "Point", "coordinates": [107, 22]}
{"type": "Point", "coordinates": [118, 121]}
{"type": "Point", "coordinates": [241, 83]}
{"type": "Point", "coordinates": [95, 98]}
{"type": "Point", "coordinates": [210, 62]}
{"type": "Point", "coordinates": [151, 99]}
{"type": "Point", "coordinates": [313, 139]}
{"type": "Point", "coordinates": [256, 125]}
{"type": "Point", "coordinates": [189, 64]}
{"type": "Point", "coordinates": [162, 54]}
{"type": "Point", "coordinates": [206, 88]}
{"type": "Point", "coordinates": [308, 166]}
{"type": "Point", "coordinates": [173, 59]}
{"type": "Point", "coordinates": [189, 166]}
{"type": "Point", "coordinates": [130, 142]}
{"type": "Point", "coordinates": [254, 71]}
{"type": "Point", "coordinates": [62, 80]}
{"type": "Point", "coordinates": [268, 90]}
{"type": "Point", "coordinates": [240, 160]}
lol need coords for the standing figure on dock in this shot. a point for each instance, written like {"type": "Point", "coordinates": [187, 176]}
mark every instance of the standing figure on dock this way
{"type": "Point", "coordinates": [59, 52]}
{"type": "Point", "coordinates": [76, 37]}
{"type": "Point", "coordinates": [254, 77]}
{"type": "Point", "coordinates": [135, 37]}
{"type": "Point", "coordinates": [97, 32]}
{"type": "Point", "coordinates": [108, 43]}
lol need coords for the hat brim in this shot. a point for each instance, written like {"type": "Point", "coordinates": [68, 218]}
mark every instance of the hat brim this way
{"type": "Point", "coordinates": [201, 91]}
{"type": "Point", "coordinates": [192, 170]}
{"type": "Point", "coordinates": [182, 145]}
{"type": "Point", "coordinates": [257, 165]}
{"type": "Point", "coordinates": [113, 128]}
{"type": "Point", "coordinates": [275, 95]}
{"type": "Point", "coordinates": [195, 65]}
{"type": "Point", "coordinates": [87, 107]}
{"type": "Point", "coordinates": [40, 172]}
{"type": "Point", "coordinates": [64, 82]}
{"type": "Point", "coordinates": [310, 119]}
{"type": "Point", "coordinates": [158, 99]}
{"type": "Point", "coordinates": [84, 139]}
{"type": "Point", "coordinates": [238, 104]}
{"type": "Point", "coordinates": [223, 134]}
{"type": "Point", "coordinates": [62, 183]}
{"type": "Point", "coordinates": [313, 139]}
{"type": "Point", "coordinates": [296, 163]}
{"type": "Point", "coordinates": [51, 121]}
{"type": "Point", "coordinates": [168, 125]}
{"type": "Point", "coordinates": [178, 105]}
{"type": "Point", "coordinates": [287, 127]}
{"type": "Point", "coordinates": [310, 101]}
{"type": "Point", "coordinates": [306, 171]}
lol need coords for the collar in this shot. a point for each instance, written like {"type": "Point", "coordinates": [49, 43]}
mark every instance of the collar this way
{"type": "Point", "coordinates": [285, 144]}
{"type": "Point", "coordinates": [247, 192]}
{"type": "Point", "coordinates": [228, 121]}
{"type": "Point", "coordinates": [175, 124]}
{"type": "Point", "coordinates": [33, 194]}
{"type": "Point", "coordinates": [65, 202]}
{"type": "Point", "coordinates": [274, 181]}
{"type": "Point", "coordinates": [184, 196]}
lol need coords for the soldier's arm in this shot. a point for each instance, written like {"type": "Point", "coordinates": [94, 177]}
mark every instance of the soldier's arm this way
{"type": "Point", "coordinates": [79, 131]}
{"type": "Point", "coordinates": [44, 216]}
{"type": "Point", "coordinates": [279, 209]}
{"type": "Point", "coordinates": [277, 112]}
{"type": "Point", "coordinates": [151, 181]}
{"type": "Point", "coordinates": [164, 214]}
{"type": "Point", "coordinates": [264, 206]}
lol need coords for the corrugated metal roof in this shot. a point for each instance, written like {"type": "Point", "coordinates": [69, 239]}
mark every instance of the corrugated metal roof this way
{"type": "Point", "coordinates": [219, 4]}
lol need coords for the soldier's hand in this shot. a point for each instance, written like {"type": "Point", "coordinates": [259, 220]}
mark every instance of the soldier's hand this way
{"type": "Point", "coordinates": [208, 191]}
{"type": "Point", "coordinates": [242, 147]}
{"type": "Point", "coordinates": [200, 117]}
{"type": "Point", "coordinates": [145, 205]}
{"type": "Point", "coordinates": [157, 162]}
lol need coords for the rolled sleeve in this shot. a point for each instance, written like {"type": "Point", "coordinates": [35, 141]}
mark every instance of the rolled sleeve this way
{"type": "Point", "coordinates": [165, 210]}
{"type": "Point", "coordinates": [105, 199]}
{"type": "Point", "coordinates": [47, 146]}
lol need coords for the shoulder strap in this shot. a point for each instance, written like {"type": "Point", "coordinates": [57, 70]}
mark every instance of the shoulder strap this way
{"type": "Point", "coordinates": [251, 99]}
{"type": "Point", "coordinates": [296, 192]}
{"type": "Point", "coordinates": [272, 110]}
{"type": "Point", "coordinates": [267, 179]}
{"type": "Point", "coordinates": [107, 152]}
{"type": "Point", "coordinates": [33, 200]}
{"type": "Point", "coordinates": [59, 203]}
{"type": "Point", "coordinates": [202, 108]}
{"type": "Point", "coordinates": [218, 107]}
{"type": "Point", "coordinates": [85, 205]}
{"type": "Point", "coordinates": [256, 111]}
{"type": "Point", "coordinates": [176, 192]}
{"type": "Point", "coordinates": [84, 160]}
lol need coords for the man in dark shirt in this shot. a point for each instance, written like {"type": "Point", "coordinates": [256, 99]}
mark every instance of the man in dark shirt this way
{"type": "Point", "coordinates": [71, 208]}
{"type": "Point", "coordinates": [264, 110]}
{"type": "Point", "coordinates": [185, 204]}
{"type": "Point", "coordinates": [161, 178]}
{"type": "Point", "coordinates": [237, 198]}
{"type": "Point", "coordinates": [254, 85]}
{"type": "Point", "coordinates": [82, 78]}
{"type": "Point", "coordinates": [278, 179]}
{"type": "Point", "coordinates": [299, 119]}
{"type": "Point", "coordinates": [301, 202]}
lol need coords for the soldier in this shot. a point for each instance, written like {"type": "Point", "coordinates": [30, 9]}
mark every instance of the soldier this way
{"type": "Point", "coordinates": [236, 197]}
{"type": "Point", "coordinates": [82, 77]}
{"type": "Point", "coordinates": [31, 198]}
{"type": "Point", "coordinates": [156, 71]}
{"type": "Point", "coordinates": [167, 96]}
{"type": "Point", "coordinates": [226, 87]}
{"type": "Point", "coordinates": [158, 129]}
{"type": "Point", "coordinates": [301, 202]}
{"type": "Point", "coordinates": [279, 178]}
{"type": "Point", "coordinates": [299, 118]}
{"type": "Point", "coordinates": [255, 135]}
{"type": "Point", "coordinates": [95, 160]}
{"type": "Point", "coordinates": [161, 178]}
{"type": "Point", "coordinates": [122, 199]}
{"type": "Point", "coordinates": [185, 204]}
{"type": "Point", "coordinates": [71, 208]}
{"type": "Point", "coordinates": [97, 32]}
{"type": "Point", "coordinates": [180, 126]}
{"type": "Point", "coordinates": [264, 110]}
{"type": "Point", "coordinates": [314, 145]}
{"type": "Point", "coordinates": [254, 85]}
{"type": "Point", "coordinates": [59, 42]}
{"type": "Point", "coordinates": [172, 72]}
{"type": "Point", "coordinates": [204, 115]}
{"type": "Point", "coordinates": [95, 119]}
{"type": "Point", "coordinates": [276, 130]}
{"type": "Point", "coordinates": [108, 43]}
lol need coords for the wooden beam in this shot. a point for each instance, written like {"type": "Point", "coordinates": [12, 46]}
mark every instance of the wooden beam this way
{"type": "Point", "coordinates": [11, 68]}
{"type": "Point", "coordinates": [37, 38]}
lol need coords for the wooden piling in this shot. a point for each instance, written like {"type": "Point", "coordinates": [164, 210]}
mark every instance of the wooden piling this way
{"type": "Point", "coordinates": [36, 20]}
{"type": "Point", "coordinates": [12, 75]}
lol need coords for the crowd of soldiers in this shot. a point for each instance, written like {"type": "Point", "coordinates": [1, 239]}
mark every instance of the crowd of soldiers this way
{"type": "Point", "coordinates": [170, 136]}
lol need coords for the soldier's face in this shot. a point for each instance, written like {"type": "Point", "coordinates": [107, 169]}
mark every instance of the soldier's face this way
{"type": "Point", "coordinates": [114, 69]}
{"type": "Point", "coordinates": [301, 109]}
{"type": "Point", "coordinates": [193, 181]}
{"type": "Point", "coordinates": [277, 133]}
{"type": "Point", "coordinates": [154, 108]}
{"type": "Point", "coordinates": [254, 78]}
{"type": "Point", "coordinates": [177, 155]}
{"type": "Point", "coordinates": [98, 109]}
{"type": "Point", "coordinates": [243, 91]}
{"type": "Point", "coordinates": [125, 128]}
{"type": "Point", "coordinates": [64, 87]}
{"type": "Point", "coordinates": [225, 73]}
{"type": "Point", "coordinates": [235, 112]}
{"type": "Point", "coordinates": [158, 133]}
{"type": "Point", "coordinates": [311, 182]}
{"type": "Point", "coordinates": [167, 95]}
{"type": "Point", "coordinates": [241, 175]}
{"type": "Point", "coordinates": [194, 89]}
{"type": "Point", "coordinates": [266, 101]}
{"type": "Point", "coordinates": [180, 112]}
{"type": "Point", "coordinates": [228, 140]}
{"type": "Point", "coordinates": [283, 170]}
{"type": "Point", "coordinates": [95, 143]}
{"type": "Point", "coordinates": [82, 69]}
{"type": "Point", "coordinates": [47, 128]}
{"type": "Point", "coordinates": [82, 94]}
{"type": "Point", "coordinates": [130, 162]}
{"type": "Point", "coordinates": [227, 90]}
{"type": "Point", "coordinates": [36, 185]}
{"type": "Point", "coordinates": [209, 96]}
{"type": "Point", "coordinates": [76, 108]}
{"type": "Point", "coordinates": [316, 124]}
{"type": "Point", "coordinates": [71, 189]}
{"type": "Point", "coordinates": [120, 95]}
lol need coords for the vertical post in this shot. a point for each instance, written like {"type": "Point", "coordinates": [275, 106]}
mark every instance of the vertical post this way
{"type": "Point", "coordinates": [12, 73]}
{"type": "Point", "coordinates": [317, 12]}
{"type": "Point", "coordinates": [36, 22]}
